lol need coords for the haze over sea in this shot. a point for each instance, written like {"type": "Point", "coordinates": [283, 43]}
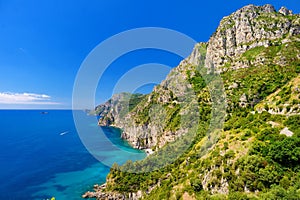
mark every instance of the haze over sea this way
{"type": "Point", "coordinates": [42, 155]}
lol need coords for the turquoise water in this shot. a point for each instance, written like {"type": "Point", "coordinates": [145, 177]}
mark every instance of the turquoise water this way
{"type": "Point", "coordinates": [43, 156]}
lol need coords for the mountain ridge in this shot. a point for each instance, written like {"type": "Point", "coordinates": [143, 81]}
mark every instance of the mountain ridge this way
{"type": "Point", "coordinates": [256, 51]}
{"type": "Point", "coordinates": [207, 53]}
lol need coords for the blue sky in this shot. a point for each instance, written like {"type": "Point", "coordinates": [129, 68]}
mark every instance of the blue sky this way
{"type": "Point", "coordinates": [43, 43]}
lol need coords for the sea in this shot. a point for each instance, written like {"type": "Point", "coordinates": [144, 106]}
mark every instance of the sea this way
{"type": "Point", "coordinates": [43, 156]}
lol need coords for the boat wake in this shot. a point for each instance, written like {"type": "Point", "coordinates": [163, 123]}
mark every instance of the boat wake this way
{"type": "Point", "coordinates": [63, 133]}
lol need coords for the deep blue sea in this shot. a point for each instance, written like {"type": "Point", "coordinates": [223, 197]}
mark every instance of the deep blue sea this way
{"type": "Point", "coordinates": [42, 155]}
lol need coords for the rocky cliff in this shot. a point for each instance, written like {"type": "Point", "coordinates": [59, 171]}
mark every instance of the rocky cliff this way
{"type": "Point", "coordinates": [248, 28]}
{"type": "Point", "coordinates": [156, 120]}
{"type": "Point", "coordinates": [256, 51]}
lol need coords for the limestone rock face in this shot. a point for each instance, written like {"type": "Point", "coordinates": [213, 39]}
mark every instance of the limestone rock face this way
{"type": "Point", "coordinates": [245, 29]}
{"type": "Point", "coordinates": [149, 125]}
{"type": "Point", "coordinates": [283, 10]}
{"type": "Point", "coordinates": [114, 109]}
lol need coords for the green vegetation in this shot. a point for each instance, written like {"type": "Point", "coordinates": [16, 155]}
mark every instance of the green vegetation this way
{"type": "Point", "coordinates": [253, 53]}
{"type": "Point", "coordinates": [293, 123]}
{"type": "Point", "coordinates": [248, 158]}
{"type": "Point", "coordinates": [126, 101]}
{"type": "Point", "coordinates": [257, 82]}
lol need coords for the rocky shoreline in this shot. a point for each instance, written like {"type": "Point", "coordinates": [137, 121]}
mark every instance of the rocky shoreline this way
{"type": "Point", "coordinates": [100, 194]}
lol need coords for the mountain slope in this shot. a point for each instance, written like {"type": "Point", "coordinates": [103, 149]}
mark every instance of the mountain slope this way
{"type": "Point", "coordinates": [157, 119]}
{"type": "Point", "coordinates": [256, 51]}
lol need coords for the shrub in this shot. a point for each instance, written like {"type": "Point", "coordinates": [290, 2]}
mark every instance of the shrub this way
{"type": "Point", "coordinates": [196, 185]}
{"type": "Point", "coordinates": [229, 154]}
